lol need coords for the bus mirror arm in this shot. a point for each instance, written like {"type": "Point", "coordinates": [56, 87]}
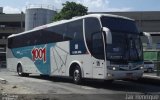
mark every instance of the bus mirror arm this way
{"type": "Point", "coordinates": [108, 35]}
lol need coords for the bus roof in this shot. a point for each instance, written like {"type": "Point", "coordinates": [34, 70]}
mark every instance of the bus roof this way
{"type": "Point", "coordinates": [69, 20]}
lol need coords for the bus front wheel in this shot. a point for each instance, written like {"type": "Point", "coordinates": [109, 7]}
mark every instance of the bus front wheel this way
{"type": "Point", "coordinates": [77, 78]}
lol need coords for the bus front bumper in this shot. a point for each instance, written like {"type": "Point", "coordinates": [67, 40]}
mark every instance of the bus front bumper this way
{"type": "Point", "coordinates": [117, 75]}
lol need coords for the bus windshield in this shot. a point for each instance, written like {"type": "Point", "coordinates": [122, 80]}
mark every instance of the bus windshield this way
{"type": "Point", "coordinates": [126, 44]}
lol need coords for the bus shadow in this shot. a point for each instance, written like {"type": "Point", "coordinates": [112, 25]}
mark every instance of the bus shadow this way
{"type": "Point", "coordinates": [53, 78]}
{"type": "Point", "coordinates": [126, 86]}
{"type": "Point", "coordinates": [143, 85]}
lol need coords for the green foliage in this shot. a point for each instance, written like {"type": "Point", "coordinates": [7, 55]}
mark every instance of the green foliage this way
{"type": "Point", "coordinates": [69, 10]}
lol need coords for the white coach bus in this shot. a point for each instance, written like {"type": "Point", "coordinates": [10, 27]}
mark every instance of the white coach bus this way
{"type": "Point", "coordinates": [95, 46]}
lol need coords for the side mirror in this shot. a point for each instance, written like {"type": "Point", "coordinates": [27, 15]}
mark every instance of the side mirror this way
{"type": "Point", "coordinates": [149, 37]}
{"type": "Point", "coordinates": [108, 35]}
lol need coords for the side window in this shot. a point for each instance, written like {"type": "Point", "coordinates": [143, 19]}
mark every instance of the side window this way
{"type": "Point", "coordinates": [54, 34]}
{"type": "Point", "coordinates": [97, 45]}
{"type": "Point", "coordinates": [10, 42]}
{"type": "Point", "coordinates": [63, 32]}
{"type": "Point", "coordinates": [94, 38]}
{"type": "Point", "coordinates": [33, 38]}
{"type": "Point", "coordinates": [75, 30]}
{"type": "Point", "coordinates": [19, 41]}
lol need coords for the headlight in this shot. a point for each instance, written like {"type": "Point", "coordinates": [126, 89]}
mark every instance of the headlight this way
{"type": "Point", "coordinates": [141, 67]}
{"type": "Point", "coordinates": [114, 68]}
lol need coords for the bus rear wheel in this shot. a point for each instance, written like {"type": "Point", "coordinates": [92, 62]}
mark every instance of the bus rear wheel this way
{"type": "Point", "coordinates": [77, 78]}
{"type": "Point", "coordinates": [20, 71]}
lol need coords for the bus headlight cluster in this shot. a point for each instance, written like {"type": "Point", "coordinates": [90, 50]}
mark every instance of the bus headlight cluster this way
{"type": "Point", "coordinates": [113, 68]}
{"type": "Point", "coordinates": [141, 67]}
{"type": "Point", "coordinates": [116, 68]}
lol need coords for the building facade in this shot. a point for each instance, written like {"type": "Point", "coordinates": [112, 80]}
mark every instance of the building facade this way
{"type": "Point", "coordinates": [9, 24]}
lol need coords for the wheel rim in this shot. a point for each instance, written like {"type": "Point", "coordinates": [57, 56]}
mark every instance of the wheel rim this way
{"type": "Point", "coordinates": [76, 75]}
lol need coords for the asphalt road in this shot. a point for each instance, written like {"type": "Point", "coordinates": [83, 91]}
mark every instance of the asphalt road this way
{"type": "Point", "coordinates": [63, 88]}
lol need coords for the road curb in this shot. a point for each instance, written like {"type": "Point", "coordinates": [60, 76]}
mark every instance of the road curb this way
{"type": "Point", "coordinates": [3, 81]}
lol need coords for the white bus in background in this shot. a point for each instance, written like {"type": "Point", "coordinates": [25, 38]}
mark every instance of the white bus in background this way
{"type": "Point", "coordinates": [95, 46]}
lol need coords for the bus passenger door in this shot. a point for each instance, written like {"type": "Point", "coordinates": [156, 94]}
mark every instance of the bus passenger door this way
{"type": "Point", "coordinates": [98, 58]}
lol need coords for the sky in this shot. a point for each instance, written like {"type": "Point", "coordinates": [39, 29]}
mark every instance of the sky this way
{"type": "Point", "coordinates": [16, 6]}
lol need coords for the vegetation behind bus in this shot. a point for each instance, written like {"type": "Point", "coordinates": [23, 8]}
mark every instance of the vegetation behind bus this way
{"type": "Point", "coordinates": [154, 56]}
{"type": "Point", "coordinates": [69, 10]}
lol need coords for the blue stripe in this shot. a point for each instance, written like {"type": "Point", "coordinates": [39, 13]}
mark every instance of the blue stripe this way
{"type": "Point", "coordinates": [44, 68]}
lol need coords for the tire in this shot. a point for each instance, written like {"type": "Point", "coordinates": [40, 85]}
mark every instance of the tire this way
{"type": "Point", "coordinates": [77, 77]}
{"type": "Point", "coordinates": [20, 71]}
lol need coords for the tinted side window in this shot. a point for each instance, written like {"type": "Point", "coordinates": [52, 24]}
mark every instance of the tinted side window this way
{"type": "Point", "coordinates": [10, 42]}
{"type": "Point", "coordinates": [33, 38]}
{"type": "Point", "coordinates": [29, 39]}
{"type": "Point", "coordinates": [18, 41]}
{"type": "Point", "coordinates": [54, 34]}
{"type": "Point", "coordinates": [97, 46]}
{"type": "Point", "coordinates": [92, 25]}
{"type": "Point", "coordinates": [63, 32]}
{"type": "Point", "coordinates": [94, 37]}
{"type": "Point", "coordinates": [75, 30]}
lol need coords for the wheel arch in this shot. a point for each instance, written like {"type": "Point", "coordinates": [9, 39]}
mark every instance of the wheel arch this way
{"type": "Point", "coordinates": [72, 67]}
{"type": "Point", "coordinates": [19, 63]}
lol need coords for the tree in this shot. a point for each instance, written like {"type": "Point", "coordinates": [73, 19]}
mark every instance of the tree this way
{"type": "Point", "coordinates": [69, 10]}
